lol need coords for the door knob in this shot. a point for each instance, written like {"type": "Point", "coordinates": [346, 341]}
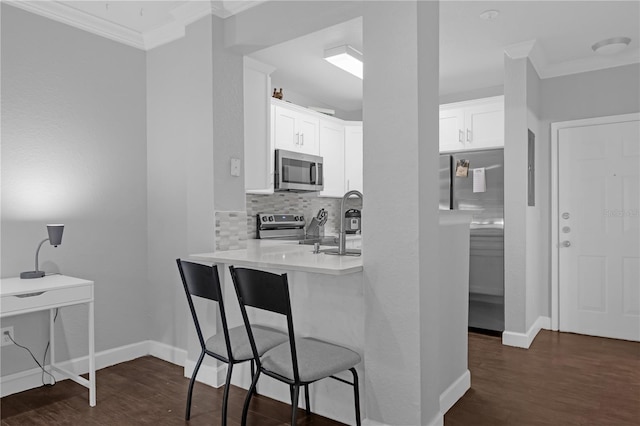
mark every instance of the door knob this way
{"type": "Point", "coordinates": [565, 215]}
{"type": "Point", "coordinates": [565, 243]}
{"type": "Point", "coordinates": [566, 229]}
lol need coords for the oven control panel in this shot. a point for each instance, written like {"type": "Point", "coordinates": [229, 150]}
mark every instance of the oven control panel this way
{"type": "Point", "coordinates": [277, 220]}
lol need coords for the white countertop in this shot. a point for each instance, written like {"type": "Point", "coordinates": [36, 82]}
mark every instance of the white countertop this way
{"type": "Point", "coordinates": [287, 256]}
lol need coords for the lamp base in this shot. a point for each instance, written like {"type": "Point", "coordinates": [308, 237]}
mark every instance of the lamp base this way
{"type": "Point", "coordinates": [31, 274]}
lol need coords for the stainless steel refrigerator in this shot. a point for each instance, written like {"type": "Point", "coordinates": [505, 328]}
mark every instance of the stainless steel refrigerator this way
{"type": "Point", "coordinates": [474, 181]}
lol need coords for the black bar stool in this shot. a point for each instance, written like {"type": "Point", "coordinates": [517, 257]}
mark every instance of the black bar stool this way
{"type": "Point", "coordinates": [232, 346]}
{"type": "Point", "coordinates": [298, 362]}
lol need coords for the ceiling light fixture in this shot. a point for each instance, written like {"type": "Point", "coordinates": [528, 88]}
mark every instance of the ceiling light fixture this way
{"type": "Point", "coordinates": [345, 57]}
{"type": "Point", "coordinates": [489, 15]}
{"type": "Point", "coordinates": [611, 45]}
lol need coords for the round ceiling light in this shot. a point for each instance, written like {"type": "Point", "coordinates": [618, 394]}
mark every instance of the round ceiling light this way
{"type": "Point", "coordinates": [611, 45]}
{"type": "Point", "coordinates": [489, 15]}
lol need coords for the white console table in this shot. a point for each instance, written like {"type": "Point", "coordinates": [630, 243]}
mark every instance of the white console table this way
{"type": "Point", "coordinates": [22, 296]}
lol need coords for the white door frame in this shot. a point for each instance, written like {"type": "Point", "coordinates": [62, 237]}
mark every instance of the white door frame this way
{"type": "Point", "coordinates": [555, 130]}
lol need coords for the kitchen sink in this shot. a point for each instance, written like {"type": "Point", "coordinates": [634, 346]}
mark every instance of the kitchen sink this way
{"type": "Point", "coordinates": [348, 252]}
{"type": "Point", "coordinates": [323, 241]}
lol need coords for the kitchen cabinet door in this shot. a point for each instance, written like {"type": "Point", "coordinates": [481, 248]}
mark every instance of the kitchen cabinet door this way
{"type": "Point", "coordinates": [286, 129]}
{"type": "Point", "coordinates": [309, 128]}
{"type": "Point", "coordinates": [474, 124]}
{"type": "Point", "coordinates": [296, 131]}
{"type": "Point", "coordinates": [451, 129]}
{"type": "Point", "coordinates": [353, 158]}
{"type": "Point", "coordinates": [332, 136]}
{"type": "Point", "coordinates": [484, 126]}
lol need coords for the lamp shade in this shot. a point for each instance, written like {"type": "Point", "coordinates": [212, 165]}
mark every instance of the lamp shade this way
{"type": "Point", "coordinates": [55, 234]}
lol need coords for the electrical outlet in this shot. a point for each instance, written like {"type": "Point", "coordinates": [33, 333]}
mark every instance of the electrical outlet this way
{"type": "Point", "coordinates": [5, 339]}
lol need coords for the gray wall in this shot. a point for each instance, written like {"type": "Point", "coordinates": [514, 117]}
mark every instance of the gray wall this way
{"type": "Point", "coordinates": [180, 172]}
{"type": "Point", "coordinates": [591, 94]}
{"type": "Point", "coordinates": [515, 195]}
{"type": "Point", "coordinates": [401, 291]}
{"type": "Point", "coordinates": [74, 151]}
{"type": "Point", "coordinates": [537, 234]}
{"type": "Point", "coordinates": [228, 121]}
{"type": "Point", "coordinates": [599, 93]}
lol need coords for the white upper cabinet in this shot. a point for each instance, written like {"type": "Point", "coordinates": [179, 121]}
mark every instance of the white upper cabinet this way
{"type": "Point", "coordinates": [451, 129]}
{"type": "Point", "coordinates": [472, 125]}
{"type": "Point", "coordinates": [296, 130]}
{"type": "Point", "coordinates": [332, 135]}
{"type": "Point", "coordinates": [353, 157]}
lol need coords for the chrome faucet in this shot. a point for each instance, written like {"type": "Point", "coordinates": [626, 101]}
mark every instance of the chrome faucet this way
{"type": "Point", "coordinates": [342, 244]}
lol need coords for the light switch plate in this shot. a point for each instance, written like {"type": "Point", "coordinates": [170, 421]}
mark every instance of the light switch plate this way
{"type": "Point", "coordinates": [235, 167]}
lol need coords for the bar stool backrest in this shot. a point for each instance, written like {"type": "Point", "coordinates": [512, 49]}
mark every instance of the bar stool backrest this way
{"type": "Point", "coordinates": [269, 292]}
{"type": "Point", "coordinates": [203, 281]}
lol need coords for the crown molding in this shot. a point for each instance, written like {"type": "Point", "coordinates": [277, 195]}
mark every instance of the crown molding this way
{"type": "Point", "coordinates": [593, 63]}
{"type": "Point", "coordinates": [191, 11]}
{"type": "Point", "coordinates": [183, 15]}
{"type": "Point", "coordinates": [520, 50]}
{"type": "Point", "coordinates": [82, 20]}
{"type": "Point", "coordinates": [532, 50]}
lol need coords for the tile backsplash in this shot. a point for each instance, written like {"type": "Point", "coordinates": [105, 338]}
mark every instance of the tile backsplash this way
{"type": "Point", "coordinates": [231, 230]}
{"type": "Point", "coordinates": [296, 203]}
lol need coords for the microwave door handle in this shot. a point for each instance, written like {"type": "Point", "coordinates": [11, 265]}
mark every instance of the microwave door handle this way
{"type": "Point", "coordinates": [313, 173]}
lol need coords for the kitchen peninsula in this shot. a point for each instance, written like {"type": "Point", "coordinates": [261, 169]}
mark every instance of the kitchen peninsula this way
{"type": "Point", "coordinates": [328, 299]}
{"type": "Point", "coordinates": [289, 256]}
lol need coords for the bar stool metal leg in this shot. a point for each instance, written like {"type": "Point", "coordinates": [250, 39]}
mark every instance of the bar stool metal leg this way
{"type": "Point", "coordinates": [306, 398]}
{"type": "Point", "coordinates": [225, 395]}
{"type": "Point", "coordinates": [294, 405]}
{"type": "Point", "coordinates": [356, 394]}
{"type": "Point", "coordinates": [247, 400]}
{"type": "Point", "coordinates": [191, 383]}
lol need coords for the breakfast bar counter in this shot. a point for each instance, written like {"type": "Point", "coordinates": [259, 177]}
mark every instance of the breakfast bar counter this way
{"type": "Point", "coordinates": [288, 256]}
{"type": "Point", "coordinates": [327, 300]}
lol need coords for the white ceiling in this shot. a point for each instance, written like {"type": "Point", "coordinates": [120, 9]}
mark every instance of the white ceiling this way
{"type": "Point", "coordinates": [471, 49]}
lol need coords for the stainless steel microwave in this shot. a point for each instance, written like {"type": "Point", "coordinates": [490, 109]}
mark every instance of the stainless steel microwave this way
{"type": "Point", "coordinates": [297, 172]}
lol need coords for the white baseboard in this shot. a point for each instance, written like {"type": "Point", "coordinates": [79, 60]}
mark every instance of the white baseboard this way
{"type": "Point", "coordinates": [524, 340]}
{"type": "Point", "coordinates": [208, 374]}
{"type": "Point", "coordinates": [32, 378]}
{"type": "Point", "coordinates": [167, 353]}
{"type": "Point", "coordinates": [454, 392]}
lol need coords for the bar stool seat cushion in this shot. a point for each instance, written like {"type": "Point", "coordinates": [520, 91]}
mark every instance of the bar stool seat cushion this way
{"type": "Point", "coordinates": [265, 337]}
{"type": "Point", "coordinates": [316, 359]}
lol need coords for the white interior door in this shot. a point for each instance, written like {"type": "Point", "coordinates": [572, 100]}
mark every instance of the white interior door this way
{"type": "Point", "coordinates": [598, 230]}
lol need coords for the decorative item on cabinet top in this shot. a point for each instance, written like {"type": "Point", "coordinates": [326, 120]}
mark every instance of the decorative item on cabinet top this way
{"type": "Point", "coordinates": [277, 94]}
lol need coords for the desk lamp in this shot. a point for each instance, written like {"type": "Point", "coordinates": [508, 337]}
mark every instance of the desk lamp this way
{"type": "Point", "coordinates": [55, 239]}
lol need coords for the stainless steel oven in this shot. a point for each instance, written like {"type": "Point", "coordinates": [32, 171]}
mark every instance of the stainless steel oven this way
{"type": "Point", "coordinates": [297, 172]}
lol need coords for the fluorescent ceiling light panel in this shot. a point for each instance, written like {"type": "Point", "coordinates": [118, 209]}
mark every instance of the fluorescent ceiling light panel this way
{"type": "Point", "coordinates": [347, 58]}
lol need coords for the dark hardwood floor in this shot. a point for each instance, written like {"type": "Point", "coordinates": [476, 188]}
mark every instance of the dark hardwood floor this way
{"type": "Point", "coordinates": [563, 379]}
